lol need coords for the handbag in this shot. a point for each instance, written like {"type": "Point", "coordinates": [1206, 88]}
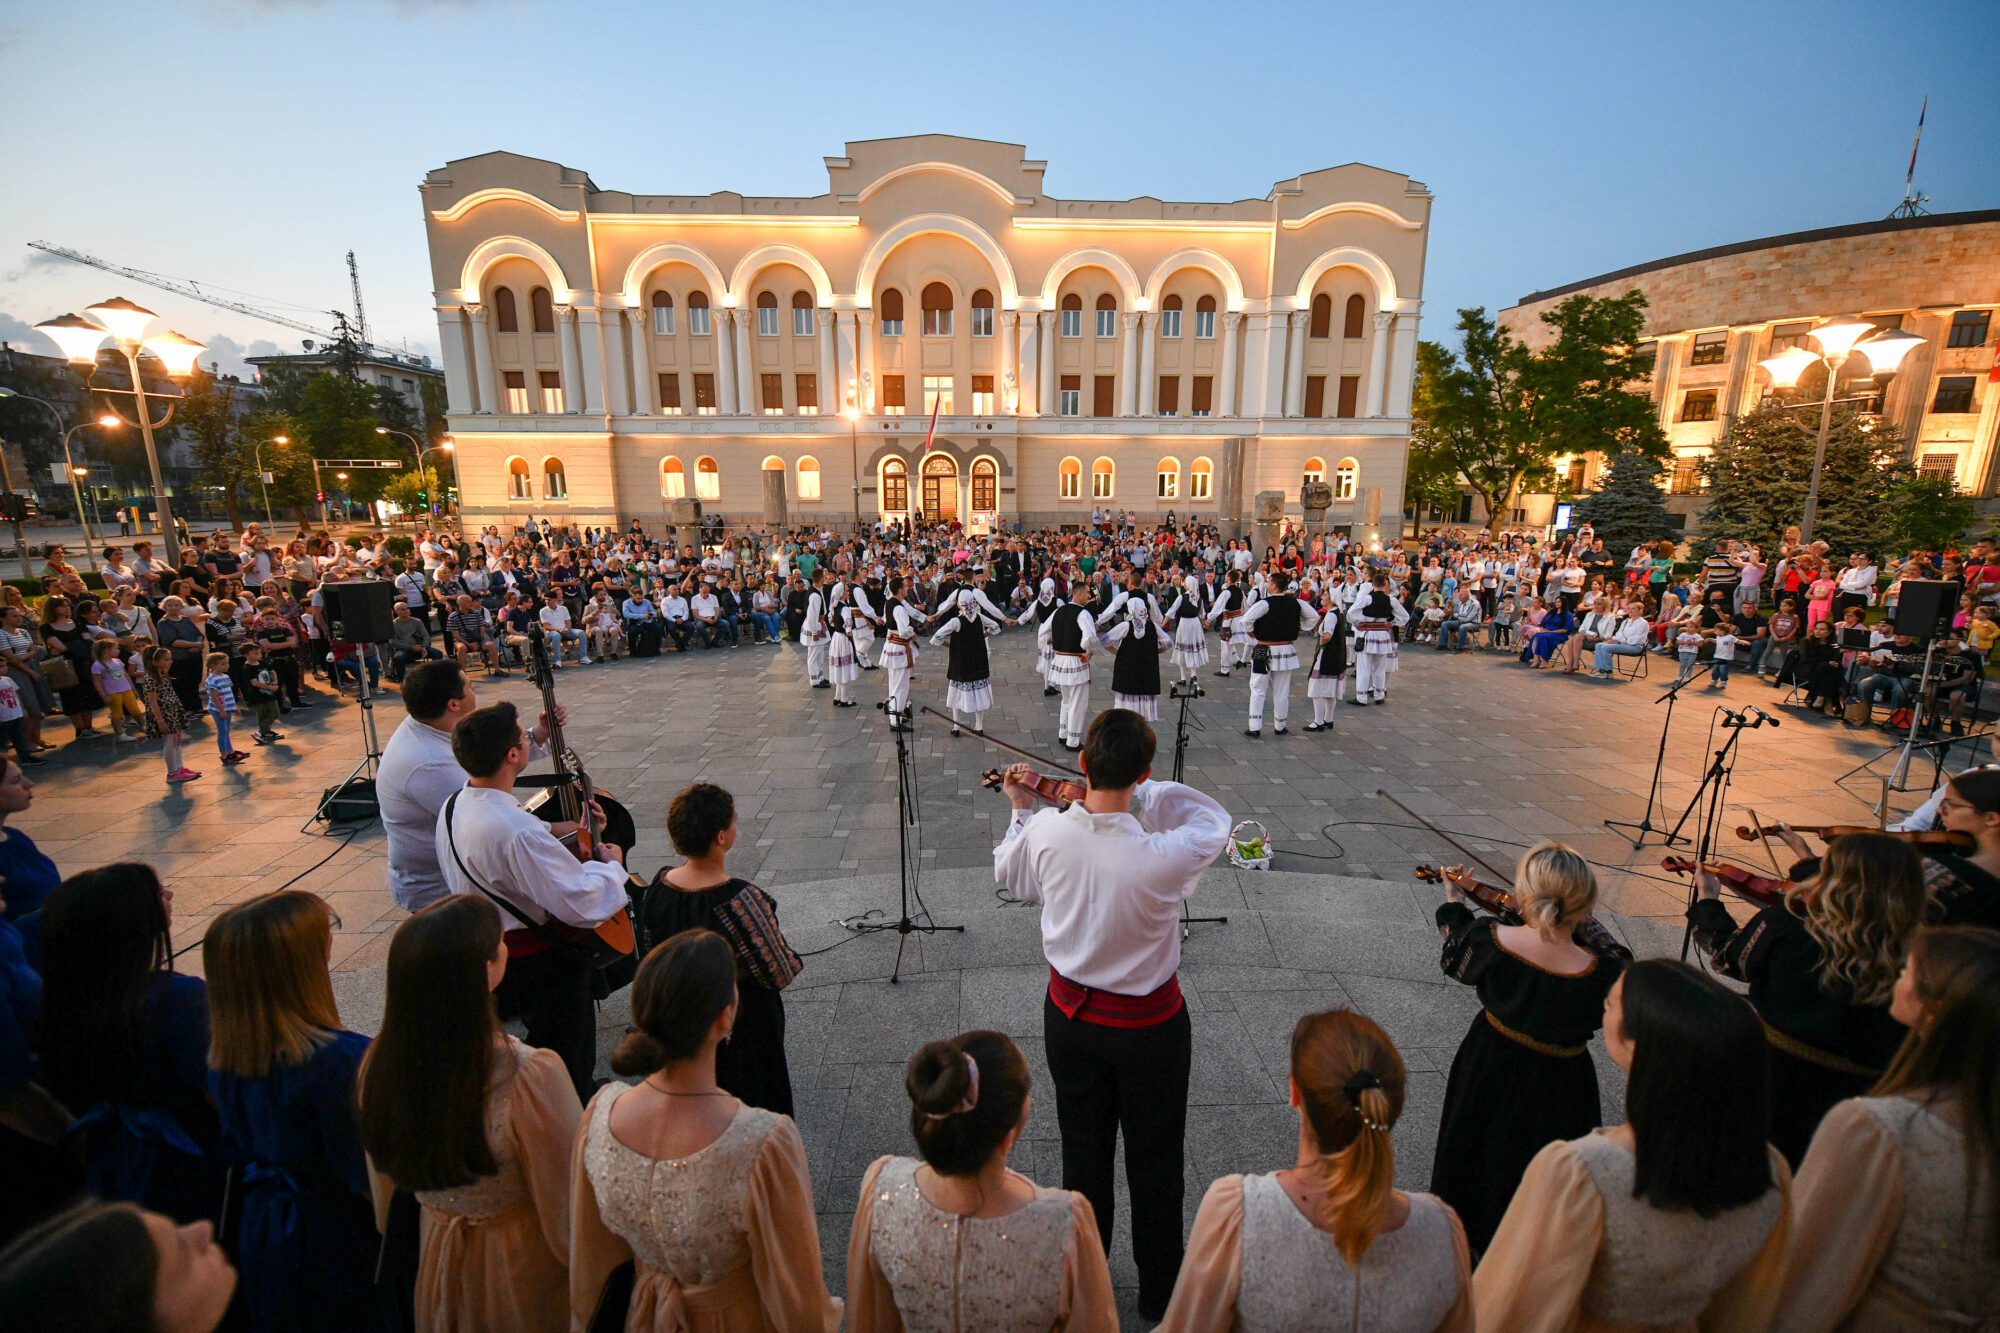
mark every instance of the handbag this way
{"type": "Point", "coordinates": [60, 673]}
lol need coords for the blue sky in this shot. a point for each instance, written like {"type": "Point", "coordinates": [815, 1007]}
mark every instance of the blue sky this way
{"type": "Point", "coordinates": [1561, 139]}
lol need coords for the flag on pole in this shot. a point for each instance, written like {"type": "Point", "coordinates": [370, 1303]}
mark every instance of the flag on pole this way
{"type": "Point", "coordinates": [936, 402]}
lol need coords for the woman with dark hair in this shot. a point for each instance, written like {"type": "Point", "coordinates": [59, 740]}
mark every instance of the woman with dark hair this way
{"type": "Point", "coordinates": [112, 1268]}
{"type": "Point", "coordinates": [1815, 669]}
{"type": "Point", "coordinates": [1332, 1233]}
{"type": "Point", "coordinates": [282, 1074]}
{"type": "Point", "coordinates": [1679, 1218]}
{"type": "Point", "coordinates": [65, 636]}
{"type": "Point", "coordinates": [959, 1231]}
{"type": "Point", "coordinates": [474, 1123]}
{"type": "Point", "coordinates": [1965, 890]}
{"type": "Point", "coordinates": [700, 894]}
{"type": "Point", "coordinates": [708, 1197]}
{"type": "Point", "coordinates": [123, 1043]}
{"type": "Point", "coordinates": [1821, 967]}
{"type": "Point", "coordinates": [1899, 1198]}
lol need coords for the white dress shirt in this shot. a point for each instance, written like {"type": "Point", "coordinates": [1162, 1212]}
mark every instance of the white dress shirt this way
{"type": "Point", "coordinates": [415, 778]}
{"type": "Point", "coordinates": [518, 860]}
{"type": "Point", "coordinates": [1245, 623]}
{"type": "Point", "coordinates": [1861, 580]}
{"type": "Point", "coordinates": [1111, 886]}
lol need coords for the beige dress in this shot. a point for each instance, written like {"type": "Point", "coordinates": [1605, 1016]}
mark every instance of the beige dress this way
{"type": "Point", "coordinates": [1577, 1252]}
{"type": "Point", "coordinates": [495, 1251]}
{"type": "Point", "coordinates": [1255, 1263]}
{"type": "Point", "coordinates": [725, 1237]}
{"type": "Point", "coordinates": [911, 1265]}
{"type": "Point", "coordinates": [1883, 1238]}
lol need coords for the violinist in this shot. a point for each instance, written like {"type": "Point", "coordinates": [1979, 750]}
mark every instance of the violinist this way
{"type": "Point", "coordinates": [1820, 966]}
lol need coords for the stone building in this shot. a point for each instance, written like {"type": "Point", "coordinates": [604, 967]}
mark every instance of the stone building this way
{"type": "Point", "coordinates": [1714, 314]}
{"type": "Point", "coordinates": [778, 359]}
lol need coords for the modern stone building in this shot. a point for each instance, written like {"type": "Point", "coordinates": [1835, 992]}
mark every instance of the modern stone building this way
{"type": "Point", "coordinates": [778, 359]}
{"type": "Point", "coordinates": [1715, 314]}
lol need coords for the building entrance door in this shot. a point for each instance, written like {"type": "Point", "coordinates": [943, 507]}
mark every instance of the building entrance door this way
{"type": "Point", "coordinates": [940, 489]}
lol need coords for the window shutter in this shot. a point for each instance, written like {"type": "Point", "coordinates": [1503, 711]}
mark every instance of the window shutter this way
{"type": "Point", "coordinates": [1170, 394]}
{"type": "Point", "coordinates": [1350, 394]}
{"type": "Point", "coordinates": [1316, 392]}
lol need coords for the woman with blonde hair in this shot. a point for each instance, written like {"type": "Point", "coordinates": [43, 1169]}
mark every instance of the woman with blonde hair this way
{"type": "Point", "coordinates": [1523, 1075]}
{"type": "Point", "coordinates": [1821, 967]}
{"type": "Point", "coordinates": [1329, 1241]}
{"type": "Point", "coordinates": [281, 1074]}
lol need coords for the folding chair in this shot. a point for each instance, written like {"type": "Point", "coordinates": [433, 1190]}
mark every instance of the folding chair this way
{"type": "Point", "coordinates": [1639, 671]}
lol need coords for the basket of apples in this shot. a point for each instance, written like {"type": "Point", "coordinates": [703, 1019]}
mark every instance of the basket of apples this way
{"type": "Point", "coordinates": [1250, 846]}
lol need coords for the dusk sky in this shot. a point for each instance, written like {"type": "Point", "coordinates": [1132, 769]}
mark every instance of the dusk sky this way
{"type": "Point", "coordinates": [249, 144]}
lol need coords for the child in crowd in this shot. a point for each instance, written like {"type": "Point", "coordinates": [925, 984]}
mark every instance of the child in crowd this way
{"type": "Point", "coordinates": [1983, 630]}
{"type": "Point", "coordinates": [1725, 657]}
{"type": "Point", "coordinates": [13, 731]}
{"type": "Point", "coordinates": [114, 686]}
{"type": "Point", "coordinates": [220, 692]}
{"type": "Point", "coordinates": [166, 718]}
{"type": "Point", "coordinates": [260, 691]}
{"type": "Point", "coordinates": [1688, 644]}
{"type": "Point", "coordinates": [1500, 629]}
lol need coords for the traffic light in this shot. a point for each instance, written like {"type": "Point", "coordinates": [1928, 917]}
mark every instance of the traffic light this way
{"type": "Point", "coordinates": [319, 497]}
{"type": "Point", "coordinates": [14, 508]}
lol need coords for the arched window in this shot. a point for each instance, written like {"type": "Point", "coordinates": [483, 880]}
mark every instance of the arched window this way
{"type": "Point", "coordinates": [892, 313]}
{"type": "Point", "coordinates": [1168, 487]}
{"type": "Point", "coordinates": [506, 319]}
{"type": "Point", "coordinates": [773, 463]}
{"type": "Point", "coordinates": [1069, 479]}
{"type": "Point", "coordinates": [543, 309]}
{"type": "Point", "coordinates": [707, 480]}
{"type": "Point", "coordinates": [1357, 315]}
{"type": "Point", "coordinates": [1204, 317]}
{"type": "Point", "coordinates": [555, 486]}
{"type": "Point", "coordinates": [802, 315]}
{"type": "Point", "coordinates": [985, 486]}
{"type": "Point", "coordinates": [1170, 317]}
{"type": "Point", "coordinates": [698, 314]}
{"type": "Point", "coordinates": [520, 485]}
{"type": "Point", "coordinates": [1072, 316]}
{"type": "Point", "coordinates": [982, 314]}
{"type": "Point", "coordinates": [1107, 315]}
{"type": "Point", "coordinates": [808, 478]}
{"type": "Point", "coordinates": [767, 314]}
{"type": "Point", "coordinates": [895, 486]}
{"type": "Point", "coordinates": [937, 310]}
{"type": "Point", "coordinates": [1345, 478]}
{"type": "Point", "coordinates": [1200, 479]}
{"type": "Point", "coordinates": [1322, 317]}
{"type": "Point", "coordinates": [1103, 476]}
{"type": "Point", "coordinates": [663, 314]}
{"type": "Point", "coordinates": [1315, 470]}
{"type": "Point", "coordinates": [673, 479]}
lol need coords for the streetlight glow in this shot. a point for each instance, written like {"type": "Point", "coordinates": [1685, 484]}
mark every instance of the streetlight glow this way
{"type": "Point", "coordinates": [109, 422]}
{"type": "Point", "coordinates": [125, 321]}
{"type": "Point", "coordinates": [1787, 366]}
{"type": "Point", "coordinates": [76, 336]}
{"type": "Point", "coordinates": [1886, 353]}
{"type": "Point", "coordinates": [176, 353]}
{"type": "Point", "coordinates": [281, 439]}
{"type": "Point", "coordinates": [1837, 339]}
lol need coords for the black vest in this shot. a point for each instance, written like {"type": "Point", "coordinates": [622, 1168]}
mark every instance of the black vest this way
{"type": "Point", "coordinates": [968, 662]}
{"type": "Point", "coordinates": [1332, 658]}
{"type": "Point", "coordinates": [1280, 621]}
{"type": "Point", "coordinates": [1136, 668]}
{"type": "Point", "coordinates": [1184, 607]}
{"type": "Point", "coordinates": [1066, 634]}
{"type": "Point", "coordinates": [1043, 610]}
{"type": "Point", "coordinates": [1377, 607]}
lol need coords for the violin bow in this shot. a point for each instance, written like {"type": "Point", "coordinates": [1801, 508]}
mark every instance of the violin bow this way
{"type": "Point", "coordinates": [1463, 850]}
{"type": "Point", "coordinates": [1758, 824]}
{"type": "Point", "coordinates": [994, 740]}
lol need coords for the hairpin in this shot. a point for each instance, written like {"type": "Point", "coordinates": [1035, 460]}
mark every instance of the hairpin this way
{"type": "Point", "coordinates": [1357, 1083]}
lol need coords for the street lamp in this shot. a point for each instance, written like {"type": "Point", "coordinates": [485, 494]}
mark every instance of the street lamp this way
{"type": "Point", "coordinates": [421, 449]}
{"type": "Point", "coordinates": [257, 452]}
{"type": "Point", "coordinates": [853, 415]}
{"type": "Point", "coordinates": [69, 463]}
{"type": "Point", "coordinates": [125, 324]}
{"type": "Point", "coordinates": [1837, 339]}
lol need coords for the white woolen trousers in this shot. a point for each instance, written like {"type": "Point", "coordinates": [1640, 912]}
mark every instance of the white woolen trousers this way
{"type": "Point", "coordinates": [899, 688]}
{"type": "Point", "coordinates": [1074, 715]}
{"type": "Point", "coordinates": [1370, 678]}
{"type": "Point", "coordinates": [816, 662]}
{"type": "Point", "coordinates": [1278, 685]}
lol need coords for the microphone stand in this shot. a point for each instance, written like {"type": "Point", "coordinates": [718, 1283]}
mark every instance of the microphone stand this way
{"type": "Point", "coordinates": [1714, 785]}
{"type": "Point", "coordinates": [1187, 692]}
{"type": "Point", "coordinates": [900, 726]}
{"type": "Point", "coordinates": [1645, 825]}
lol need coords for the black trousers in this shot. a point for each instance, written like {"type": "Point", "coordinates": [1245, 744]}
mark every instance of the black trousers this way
{"type": "Point", "coordinates": [1133, 1080]}
{"type": "Point", "coordinates": [551, 993]}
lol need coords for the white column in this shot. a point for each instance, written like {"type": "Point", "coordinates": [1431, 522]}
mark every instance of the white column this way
{"type": "Point", "coordinates": [1667, 367]}
{"type": "Point", "coordinates": [849, 381]}
{"type": "Point", "coordinates": [1378, 366]}
{"type": "Point", "coordinates": [1256, 349]}
{"type": "Point", "coordinates": [864, 337]}
{"type": "Point", "coordinates": [830, 390]}
{"type": "Point", "coordinates": [1975, 472]}
{"type": "Point", "coordinates": [1402, 365]}
{"type": "Point", "coordinates": [1295, 364]}
{"type": "Point", "coordinates": [1004, 379]}
{"type": "Point", "coordinates": [725, 362]}
{"type": "Point", "coordinates": [572, 365]}
{"type": "Point", "coordinates": [1225, 379]}
{"type": "Point", "coordinates": [484, 381]}
{"type": "Point", "coordinates": [1149, 331]}
{"type": "Point", "coordinates": [451, 345]}
{"type": "Point", "coordinates": [645, 385]}
{"type": "Point", "coordinates": [596, 377]}
{"type": "Point", "coordinates": [1128, 366]}
{"type": "Point", "coordinates": [1048, 396]}
{"type": "Point", "coordinates": [746, 365]}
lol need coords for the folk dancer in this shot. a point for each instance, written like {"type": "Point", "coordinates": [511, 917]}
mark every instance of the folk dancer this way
{"type": "Point", "coordinates": [1377, 620]}
{"type": "Point", "coordinates": [865, 622]}
{"type": "Point", "coordinates": [1329, 668]}
{"type": "Point", "coordinates": [899, 649]}
{"type": "Point", "coordinates": [1068, 636]}
{"type": "Point", "coordinates": [1275, 619]}
{"type": "Point", "coordinates": [1190, 637]}
{"type": "Point", "coordinates": [813, 631]}
{"type": "Point", "coordinates": [842, 658]}
{"type": "Point", "coordinates": [1235, 647]}
{"type": "Point", "coordinates": [972, 594]}
{"type": "Point", "coordinates": [1135, 663]}
{"type": "Point", "coordinates": [1111, 873]}
{"type": "Point", "coordinates": [1039, 612]}
{"type": "Point", "coordinates": [968, 673]}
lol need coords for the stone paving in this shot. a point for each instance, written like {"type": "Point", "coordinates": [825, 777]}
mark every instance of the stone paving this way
{"type": "Point", "coordinates": [1481, 746]}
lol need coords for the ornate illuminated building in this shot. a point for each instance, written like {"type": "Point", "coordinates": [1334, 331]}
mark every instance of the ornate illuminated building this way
{"type": "Point", "coordinates": [778, 359]}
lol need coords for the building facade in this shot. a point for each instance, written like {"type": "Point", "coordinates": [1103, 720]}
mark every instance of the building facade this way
{"type": "Point", "coordinates": [407, 377]}
{"type": "Point", "coordinates": [1714, 314]}
{"type": "Point", "coordinates": [779, 359]}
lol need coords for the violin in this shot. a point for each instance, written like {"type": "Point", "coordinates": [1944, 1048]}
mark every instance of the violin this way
{"type": "Point", "coordinates": [1055, 791]}
{"type": "Point", "coordinates": [1944, 840]}
{"type": "Point", "coordinates": [1590, 932]}
{"type": "Point", "coordinates": [1751, 888]}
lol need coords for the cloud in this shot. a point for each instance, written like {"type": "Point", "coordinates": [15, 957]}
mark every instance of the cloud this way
{"type": "Point", "coordinates": [228, 355]}
{"type": "Point", "coordinates": [36, 261]}
{"type": "Point", "coordinates": [19, 334]}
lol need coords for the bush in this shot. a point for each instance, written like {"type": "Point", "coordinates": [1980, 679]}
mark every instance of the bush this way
{"type": "Point", "coordinates": [402, 547]}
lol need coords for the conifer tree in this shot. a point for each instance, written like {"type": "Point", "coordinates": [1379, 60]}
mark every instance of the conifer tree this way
{"type": "Point", "coordinates": [1629, 507]}
{"type": "Point", "coordinates": [1759, 473]}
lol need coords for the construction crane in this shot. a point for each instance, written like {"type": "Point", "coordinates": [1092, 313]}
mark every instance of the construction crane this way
{"type": "Point", "coordinates": [360, 316]}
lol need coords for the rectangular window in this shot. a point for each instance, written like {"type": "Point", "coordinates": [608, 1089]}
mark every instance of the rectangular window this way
{"type": "Point", "coordinates": [1201, 402]}
{"type": "Point", "coordinates": [704, 393]}
{"type": "Point", "coordinates": [1069, 485]}
{"type": "Point", "coordinates": [982, 321]}
{"type": "Point", "coordinates": [892, 395]}
{"type": "Point", "coordinates": [1198, 482]}
{"type": "Point", "coordinates": [773, 391]}
{"type": "Point", "coordinates": [1100, 484]}
{"type": "Point", "coordinates": [1315, 395]}
{"type": "Point", "coordinates": [1107, 323]}
{"type": "Point", "coordinates": [670, 394]}
{"type": "Point", "coordinates": [1169, 485]}
{"type": "Point", "coordinates": [1170, 395]}
{"type": "Point", "coordinates": [1886, 323]}
{"type": "Point", "coordinates": [1708, 348]}
{"type": "Point", "coordinates": [892, 328]}
{"type": "Point", "coordinates": [552, 391]}
{"type": "Point", "coordinates": [663, 320]}
{"type": "Point", "coordinates": [1938, 465]}
{"type": "Point", "coordinates": [809, 483]}
{"type": "Point", "coordinates": [802, 321]}
{"type": "Point", "coordinates": [697, 321]}
{"type": "Point", "coordinates": [518, 485]}
{"type": "Point", "coordinates": [808, 390]}
{"type": "Point", "coordinates": [1170, 323]}
{"type": "Point", "coordinates": [937, 395]}
{"type": "Point", "coordinates": [982, 395]}
{"type": "Point", "coordinates": [1072, 323]}
{"type": "Point", "coordinates": [1789, 335]}
{"type": "Point", "coordinates": [1070, 402]}
{"type": "Point", "coordinates": [767, 321]}
{"type": "Point", "coordinates": [517, 392]}
{"type": "Point", "coordinates": [1101, 401]}
{"type": "Point", "coordinates": [1954, 394]}
{"type": "Point", "coordinates": [895, 493]}
{"type": "Point", "coordinates": [985, 492]}
{"type": "Point", "coordinates": [1687, 475]}
{"type": "Point", "coordinates": [1204, 323]}
{"type": "Point", "coordinates": [707, 482]}
{"type": "Point", "coordinates": [1698, 405]}
{"type": "Point", "coordinates": [1350, 396]}
{"type": "Point", "coordinates": [1968, 328]}
{"type": "Point", "coordinates": [937, 323]}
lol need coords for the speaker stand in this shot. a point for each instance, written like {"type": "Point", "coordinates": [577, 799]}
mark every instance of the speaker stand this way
{"type": "Point", "coordinates": [371, 745]}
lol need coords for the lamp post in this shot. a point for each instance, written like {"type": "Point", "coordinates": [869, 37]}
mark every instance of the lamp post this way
{"type": "Point", "coordinates": [257, 452]}
{"type": "Point", "coordinates": [853, 415]}
{"type": "Point", "coordinates": [124, 323]}
{"type": "Point", "coordinates": [421, 449]}
{"type": "Point", "coordinates": [1837, 339]}
{"type": "Point", "coordinates": [69, 463]}
{"type": "Point", "coordinates": [442, 446]}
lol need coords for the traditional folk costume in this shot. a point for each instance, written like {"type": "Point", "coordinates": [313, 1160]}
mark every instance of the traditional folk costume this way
{"type": "Point", "coordinates": [899, 653]}
{"type": "Point", "coordinates": [1275, 620]}
{"type": "Point", "coordinates": [1135, 661]}
{"type": "Point", "coordinates": [968, 674]}
{"type": "Point", "coordinates": [1118, 1037]}
{"type": "Point", "coordinates": [1329, 667]}
{"type": "Point", "coordinates": [1068, 636]}
{"type": "Point", "coordinates": [1190, 638]}
{"type": "Point", "coordinates": [1377, 620]}
{"type": "Point", "coordinates": [1039, 611]}
{"type": "Point", "coordinates": [861, 627]}
{"type": "Point", "coordinates": [813, 633]}
{"type": "Point", "coordinates": [1235, 649]}
{"type": "Point", "coordinates": [843, 658]}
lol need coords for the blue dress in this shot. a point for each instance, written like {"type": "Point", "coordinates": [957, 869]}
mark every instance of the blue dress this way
{"type": "Point", "coordinates": [1549, 636]}
{"type": "Point", "coordinates": [26, 877]}
{"type": "Point", "coordinates": [306, 1241]}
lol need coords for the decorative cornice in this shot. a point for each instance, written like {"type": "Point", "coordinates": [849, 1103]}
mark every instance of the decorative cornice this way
{"type": "Point", "coordinates": [503, 194]}
{"type": "Point", "coordinates": [1388, 215]}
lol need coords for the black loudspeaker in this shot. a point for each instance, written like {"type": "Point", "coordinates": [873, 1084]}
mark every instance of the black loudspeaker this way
{"type": "Point", "coordinates": [359, 612]}
{"type": "Point", "coordinates": [1923, 605]}
{"type": "Point", "coordinates": [351, 802]}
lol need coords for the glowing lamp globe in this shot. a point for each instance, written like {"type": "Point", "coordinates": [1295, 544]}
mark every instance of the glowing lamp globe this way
{"type": "Point", "coordinates": [1787, 366]}
{"type": "Point", "coordinates": [1837, 339]}
{"type": "Point", "coordinates": [109, 422]}
{"type": "Point", "coordinates": [78, 338]}
{"type": "Point", "coordinates": [1886, 353]}
{"type": "Point", "coordinates": [125, 321]}
{"type": "Point", "coordinates": [176, 353]}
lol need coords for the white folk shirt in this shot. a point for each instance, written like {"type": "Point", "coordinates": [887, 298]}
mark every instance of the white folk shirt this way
{"type": "Point", "coordinates": [519, 861]}
{"type": "Point", "coordinates": [814, 628]}
{"type": "Point", "coordinates": [1859, 581]}
{"type": "Point", "coordinates": [1246, 623]}
{"type": "Point", "coordinates": [417, 776]}
{"type": "Point", "coordinates": [1111, 886]}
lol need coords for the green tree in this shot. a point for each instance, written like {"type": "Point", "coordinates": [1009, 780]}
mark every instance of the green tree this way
{"type": "Point", "coordinates": [336, 418]}
{"type": "Point", "coordinates": [288, 459]}
{"type": "Point", "coordinates": [1431, 479]}
{"type": "Point", "coordinates": [1629, 507]}
{"type": "Point", "coordinates": [1500, 412]}
{"type": "Point", "coordinates": [415, 491]}
{"type": "Point", "coordinates": [1931, 511]}
{"type": "Point", "coordinates": [1758, 475]}
{"type": "Point", "coordinates": [211, 419]}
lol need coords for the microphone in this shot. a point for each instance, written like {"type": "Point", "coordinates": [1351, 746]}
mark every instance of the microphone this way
{"type": "Point", "coordinates": [1764, 715]}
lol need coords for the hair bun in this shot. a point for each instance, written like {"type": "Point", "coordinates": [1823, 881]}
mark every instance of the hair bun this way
{"type": "Point", "coordinates": [938, 1078]}
{"type": "Point", "coordinates": [638, 1055]}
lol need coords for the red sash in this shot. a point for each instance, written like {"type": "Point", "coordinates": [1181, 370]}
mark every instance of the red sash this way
{"type": "Point", "coordinates": [1111, 1010]}
{"type": "Point", "coordinates": [523, 943]}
